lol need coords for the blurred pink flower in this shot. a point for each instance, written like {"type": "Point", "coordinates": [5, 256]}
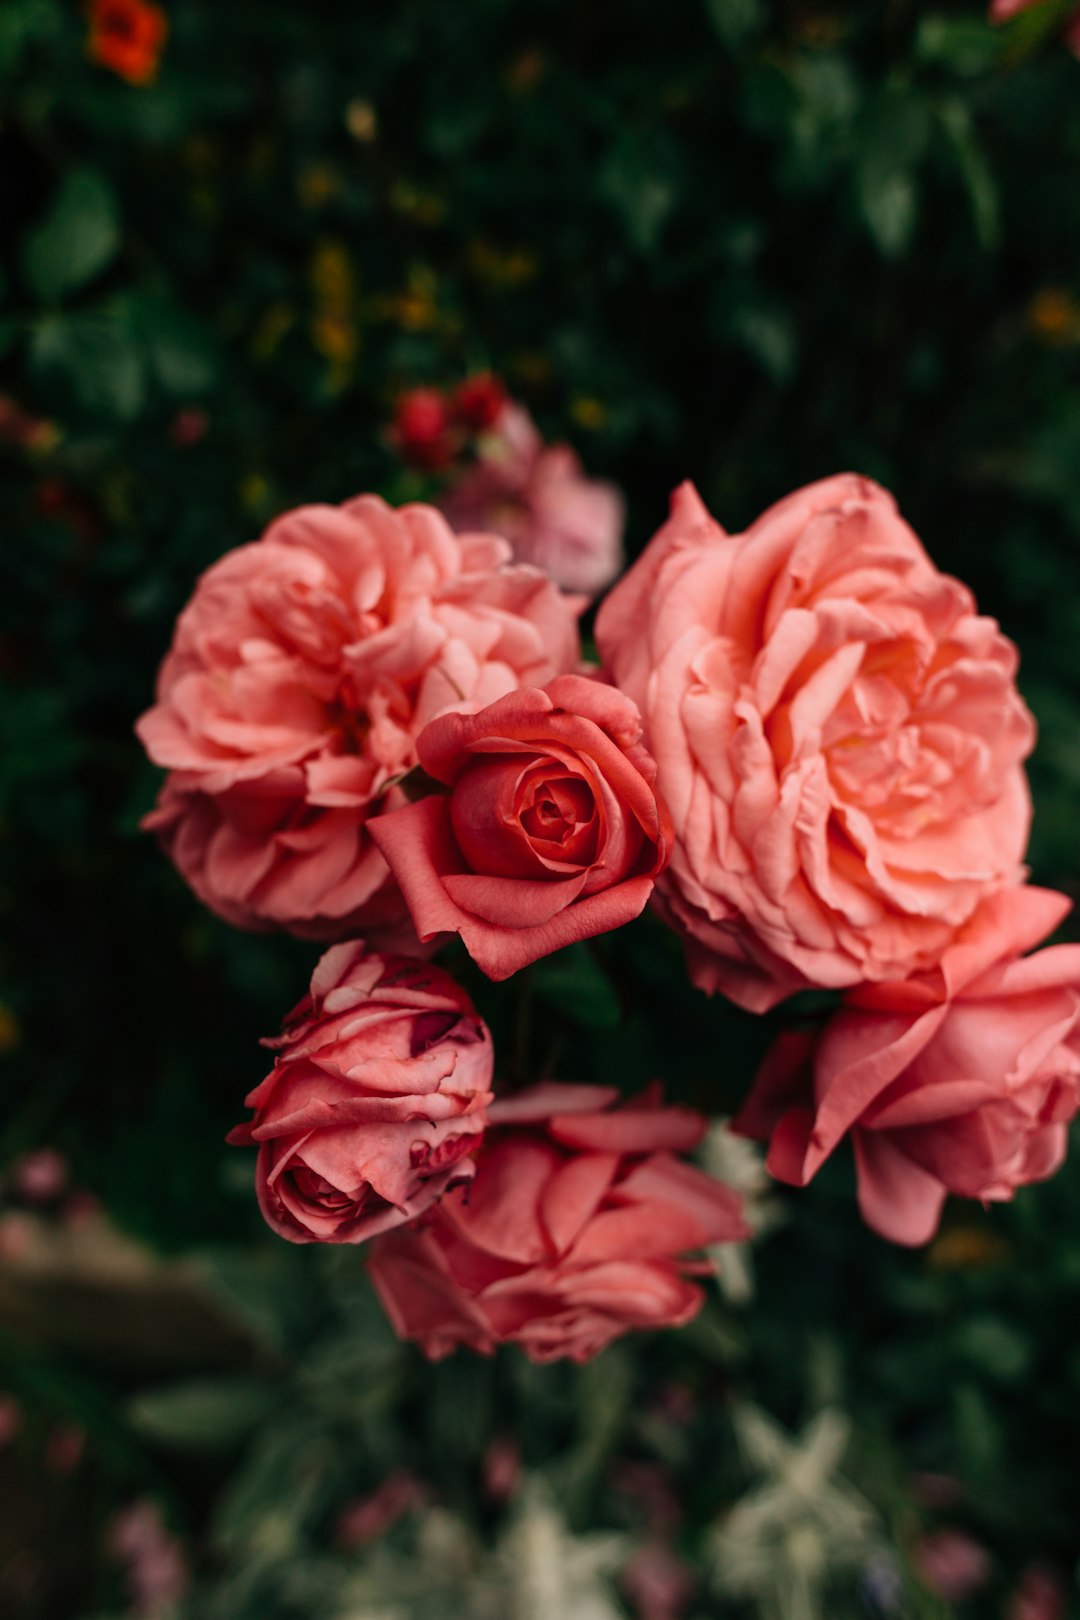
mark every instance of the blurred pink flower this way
{"type": "Point", "coordinates": [502, 1469]}
{"type": "Point", "coordinates": [41, 1176]}
{"type": "Point", "coordinates": [952, 1564]}
{"type": "Point", "coordinates": [369, 1517]}
{"type": "Point", "coordinates": [1039, 1595]}
{"type": "Point", "coordinates": [537, 497]}
{"type": "Point", "coordinates": [657, 1583]}
{"type": "Point", "coordinates": [156, 1572]}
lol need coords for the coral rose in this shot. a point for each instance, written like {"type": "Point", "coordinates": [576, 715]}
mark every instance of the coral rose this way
{"type": "Point", "coordinates": [551, 831]}
{"type": "Point", "coordinates": [376, 1099]}
{"type": "Point", "coordinates": [572, 1233]}
{"type": "Point", "coordinates": [538, 498]}
{"type": "Point", "coordinates": [838, 736]}
{"type": "Point", "coordinates": [962, 1080]}
{"type": "Point", "coordinates": [301, 672]}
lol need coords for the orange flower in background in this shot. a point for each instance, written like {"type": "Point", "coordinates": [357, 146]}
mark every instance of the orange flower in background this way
{"type": "Point", "coordinates": [127, 37]}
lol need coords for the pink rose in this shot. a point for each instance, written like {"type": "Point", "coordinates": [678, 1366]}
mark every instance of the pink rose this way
{"type": "Point", "coordinates": [837, 734]}
{"type": "Point", "coordinates": [376, 1099]}
{"type": "Point", "coordinates": [538, 498]}
{"type": "Point", "coordinates": [551, 831]}
{"type": "Point", "coordinates": [300, 674]}
{"type": "Point", "coordinates": [573, 1232]}
{"type": "Point", "coordinates": [961, 1081]}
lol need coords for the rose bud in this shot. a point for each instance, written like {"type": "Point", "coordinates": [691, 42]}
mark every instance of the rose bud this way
{"type": "Point", "coordinates": [422, 429]}
{"type": "Point", "coordinates": [576, 1229]}
{"type": "Point", "coordinates": [838, 735]}
{"type": "Point", "coordinates": [962, 1080]}
{"type": "Point", "coordinates": [376, 1099]}
{"type": "Point", "coordinates": [479, 401]}
{"type": "Point", "coordinates": [551, 832]}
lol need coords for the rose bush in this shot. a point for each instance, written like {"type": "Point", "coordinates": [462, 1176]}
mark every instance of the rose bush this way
{"type": "Point", "coordinates": [574, 1231]}
{"type": "Point", "coordinates": [551, 832]}
{"type": "Point", "coordinates": [961, 1081]}
{"type": "Point", "coordinates": [300, 674]}
{"type": "Point", "coordinates": [376, 1099]}
{"type": "Point", "coordinates": [837, 733]}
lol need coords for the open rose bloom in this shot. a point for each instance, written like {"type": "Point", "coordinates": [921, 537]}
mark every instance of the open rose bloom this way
{"type": "Point", "coordinates": [375, 1102]}
{"type": "Point", "coordinates": [300, 674]}
{"type": "Point", "coordinates": [838, 738]}
{"type": "Point", "coordinates": [551, 831]}
{"type": "Point", "coordinates": [581, 1223]}
{"type": "Point", "coordinates": [962, 1080]}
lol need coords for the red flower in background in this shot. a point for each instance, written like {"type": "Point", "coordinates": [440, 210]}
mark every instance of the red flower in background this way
{"type": "Point", "coordinates": [127, 37]}
{"type": "Point", "coordinates": [422, 431]}
{"type": "Point", "coordinates": [479, 401]}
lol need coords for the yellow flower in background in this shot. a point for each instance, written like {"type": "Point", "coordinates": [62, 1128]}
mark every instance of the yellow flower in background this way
{"type": "Point", "coordinates": [361, 120]}
{"type": "Point", "coordinates": [316, 184]}
{"type": "Point", "coordinates": [589, 413]}
{"type": "Point", "coordinates": [501, 267]}
{"type": "Point", "coordinates": [256, 495]}
{"type": "Point", "coordinates": [966, 1248]}
{"type": "Point", "coordinates": [333, 326]}
{"type": "Point", "coordinates": [1054, 317]}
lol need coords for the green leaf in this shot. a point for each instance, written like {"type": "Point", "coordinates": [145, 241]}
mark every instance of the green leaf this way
{"type": "Point", "coordinates": [205, 1414]}
{"type": "Point", "coordinates": [78, 238]}
{"type": "Point", "coordinates": [967, 46]}
{"type": "Point", "coordinates": [893, 142]}
{"type": "Point", "coordinates": [734, 21]}
{"type": "Point", "coordinates": [575, 983]}
{"type": "Point", "coordinates": [975, 171]}
{"type": "Point", "coordinates": [640, 179]}
{"type": "Point", "coordinates": [178, 347]}
{"type": "Point", "coordinates": [96, 358]}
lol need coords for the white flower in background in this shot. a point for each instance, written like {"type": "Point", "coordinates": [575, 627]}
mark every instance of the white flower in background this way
{"type": "Point", "coordinates": [800, 1527]}
{"type": "Point", "coordinates": [740, 1164]}
{"type": "Point", "coordinates": [538, 1570]}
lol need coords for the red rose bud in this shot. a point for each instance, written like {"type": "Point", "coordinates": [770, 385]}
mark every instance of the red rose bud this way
{"type": "Point", "coordinates": [421, 429]}
{"type": "Point", "coordinates": [552, 830]}
{"type": "Point", "coordinates": [479, 401]}
{"type": "Point", "coordinates": [375, 1102]}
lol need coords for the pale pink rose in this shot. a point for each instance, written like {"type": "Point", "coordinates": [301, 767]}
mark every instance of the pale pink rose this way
{"type": "Point", "coordinates": [838, 737]}
{"type": "Point", "coordinates": [539, 499]}
{"type": "Point", "coordinates": [963, 1080]}
{"type": "Point", "coordinates": [376, 1099]}
{"type": "Point", "coordinates": [301, 672]}
{"type": "Point", "coordinates": [551, 831]}
{"type": "Point", "coordinates": [578, 1227]}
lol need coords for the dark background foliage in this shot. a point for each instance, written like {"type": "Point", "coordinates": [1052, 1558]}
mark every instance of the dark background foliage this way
{"type": "Point", "coordinates": [743, 242]}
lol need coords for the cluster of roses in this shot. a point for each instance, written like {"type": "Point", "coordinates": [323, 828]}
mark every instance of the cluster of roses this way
{"type": "Point", "coordinates": [804, 746]}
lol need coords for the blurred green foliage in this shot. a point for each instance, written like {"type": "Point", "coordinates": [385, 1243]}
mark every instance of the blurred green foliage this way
{"type": "Point", "coordinates": [749, 242]}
